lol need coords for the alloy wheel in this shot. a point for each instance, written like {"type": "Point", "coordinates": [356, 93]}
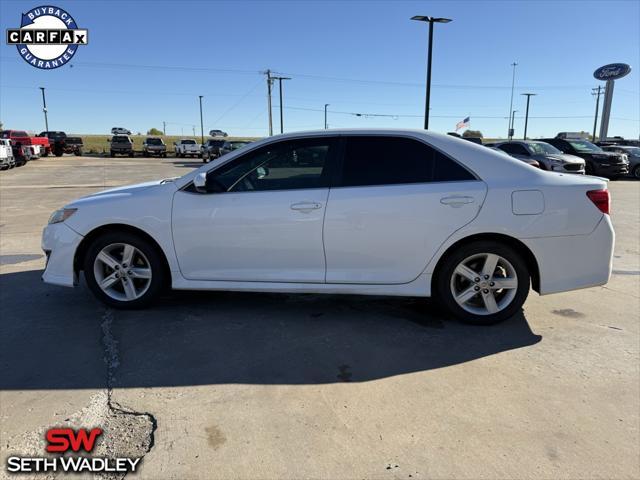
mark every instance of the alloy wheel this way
{"type": "Point", "coordinates": [122, 272]}
{"type": "Point", "coordinates": [484, 284]}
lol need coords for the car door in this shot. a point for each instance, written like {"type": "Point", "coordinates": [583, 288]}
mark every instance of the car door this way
{"type": "Point", "coordinates": [395, 202]}
{"type": "Point", "coordinates": [261, 219]}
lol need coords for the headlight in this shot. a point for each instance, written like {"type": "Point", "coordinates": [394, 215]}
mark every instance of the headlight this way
{"type": "Point", "coordinates": [61, 215]}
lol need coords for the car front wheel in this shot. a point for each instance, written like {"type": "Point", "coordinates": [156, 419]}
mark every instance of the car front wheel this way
{"type": "Point", "coordinates": [483, 283]}
{"type": "Point", "coordinates": [636, 172]}
{"type": "Point", "coordinates": [124, 270]}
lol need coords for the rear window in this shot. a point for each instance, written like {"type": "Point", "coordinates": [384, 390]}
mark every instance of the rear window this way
{"type": "Point", "coordinates": [154, 141]}
{"type": "Point", "coordinates": [188, 142]}
{"type": "Point", "coordinates": [396, 160]}
{"type": "Point", "coordinates": [121, 140]}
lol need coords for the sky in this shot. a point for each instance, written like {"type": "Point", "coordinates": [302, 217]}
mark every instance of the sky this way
{"type": "Point", "coordinates": [148, 61]}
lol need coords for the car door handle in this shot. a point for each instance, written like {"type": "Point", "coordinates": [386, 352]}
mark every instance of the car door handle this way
{"type": "Point", "coordinates": [456, 200]}
{"type": "Point", "coordinates": [305, 206]}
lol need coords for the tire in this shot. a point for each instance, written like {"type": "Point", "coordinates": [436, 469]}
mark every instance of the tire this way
{"type": "Point", "coordinates": [79, 152]}
{"type": "Point", "coordinates": [478, 307]}
{"type": "Point", "coordinates": [45, 154]}
{"type": "Point", "coordinates": [636, 172]}
{"type": "Point", "coordinates": [131, 154]}
{"type": "Point", "coordinates": [119, 294]}
{"type": "Point", "coordinates": [113, 154]}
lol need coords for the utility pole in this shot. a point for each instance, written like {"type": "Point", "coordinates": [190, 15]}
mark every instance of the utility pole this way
{"type": "Point", "coordinates": [44, 109]}
{"type": "Point", "coordinates": [511, 129]}
{"type": "Point", "coordinates": [201, 123]}
{"type": "Point", "coordinates": [193, 127]}
{"type": "Point", "coordinates": [280, 79]}
{"type": "Point", "coordinates": [325, 116]}
{"type": "Point", "coordinates": [596, 92]}
{"type": "Point", "coordinates": [269, 85]}
{"type": "Point", "coordinates": [164, 128]}
{"type": "Point", "coordinates": [513, 82]}
{"type": "Point", "coordinates": [526, 115]}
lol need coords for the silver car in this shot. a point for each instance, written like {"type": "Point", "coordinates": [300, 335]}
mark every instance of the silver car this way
{"type": "Point", "coordinates": [633, 155]}
{"type": "Point", "coordinates": [548, 156]}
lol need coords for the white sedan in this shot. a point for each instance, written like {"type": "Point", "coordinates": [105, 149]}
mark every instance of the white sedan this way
{"type": "Point", "coordinates": [373, 212]}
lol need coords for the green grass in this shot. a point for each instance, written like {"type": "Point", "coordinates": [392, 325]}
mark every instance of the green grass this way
{"type": "Point", "coordinates": [99, 143]}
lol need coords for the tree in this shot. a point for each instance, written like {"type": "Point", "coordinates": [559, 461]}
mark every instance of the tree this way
{"type": "Point", "coordinates": [154, 131]}
{"type": "Point", "coordinates": [472, 134]}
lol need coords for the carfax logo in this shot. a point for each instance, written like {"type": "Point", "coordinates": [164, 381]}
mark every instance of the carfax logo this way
{"type": "Point", "coordinates": [48, 37]}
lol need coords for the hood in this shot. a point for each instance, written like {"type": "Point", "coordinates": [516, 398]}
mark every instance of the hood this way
{"type": "Point", "coordinates": [565, 158]}
{"type": "Point", "coordinates": [126, 190]}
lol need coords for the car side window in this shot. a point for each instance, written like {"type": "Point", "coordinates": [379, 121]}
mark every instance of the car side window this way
{"type": "Point", "coordinates": [388, 160]}
{"type": "Point", "coordinates": [288, 165]}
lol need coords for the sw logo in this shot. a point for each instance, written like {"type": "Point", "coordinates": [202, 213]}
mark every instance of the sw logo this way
{"type": "Point", "coordinates": [48, 37]}
{"type": "Point", "coordinates": [66, 440]}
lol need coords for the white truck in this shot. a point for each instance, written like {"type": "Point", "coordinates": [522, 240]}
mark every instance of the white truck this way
{"type": "Point", "coordinates": [7, 160]}
{"type": "Point", "coordinates": [187, 147]}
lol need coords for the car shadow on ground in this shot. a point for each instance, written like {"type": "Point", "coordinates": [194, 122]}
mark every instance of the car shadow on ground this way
{"type": "Point", "coordinates": [54, 338]}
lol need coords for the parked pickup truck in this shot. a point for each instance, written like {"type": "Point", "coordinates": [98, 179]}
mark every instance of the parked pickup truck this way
{"type": "Point", "coordinates": [7, 160]}
{"type": "Point", "coordinates": [154, 146]}
{"type": "Point", "coordinates": [20, 145]}
{"type": "Point", "coordinates": [122, 145]}
{"type": "Point", "coordinates": [59, 143]}
{"type": "Point", "coordinates": [186, 146]}
{"type": "Point", "coordinates": [43, 143]}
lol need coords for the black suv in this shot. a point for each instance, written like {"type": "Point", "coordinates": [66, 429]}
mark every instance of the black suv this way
{"type": "Point", "coordinates": [211, 149]}
{"type": "Point", "coordinates": [121, 144]}
{"type": "Point", "coordinates": [598, 162]}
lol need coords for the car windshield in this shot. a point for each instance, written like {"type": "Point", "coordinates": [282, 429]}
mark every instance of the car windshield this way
{"type": "Point", "coordinates": [584, 146]}
{"type": "Point", "coordinates": [154, 141]}
{"type": "Point", "coordinates": [543, 148]}
{"type": "Point", "coordinates": [188, 142]}
{"type": "Point", "coordinates": [635, 151]}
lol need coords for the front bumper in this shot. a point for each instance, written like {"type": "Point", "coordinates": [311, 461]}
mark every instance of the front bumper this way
{"type": "Point", "coordinates": [575, 261]}
{"type": "Point", "coordinates": [60, 243]}
{"type": "Point", "coordinates": [610, 170]}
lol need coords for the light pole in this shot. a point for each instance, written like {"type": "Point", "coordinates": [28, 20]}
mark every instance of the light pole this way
{"type": "Point", "coordinates": [44, 109]}
{"type": "Point", "coordinates": [325, 115]}
{"type": "Point", "coordinates": [201, 123]}
{"type": "Point", "coordinates": [596, 91]}
{"type": "Point", "coordinates": [431, 21]}
{"type": "Point", "coordinates": [513, 82]}
{"type": "Point", "coordinates": [280, 90]}
{"type": "Point", "coordinates": [513, 117]}
{"type": "Point", "coordinates": [526, 115]}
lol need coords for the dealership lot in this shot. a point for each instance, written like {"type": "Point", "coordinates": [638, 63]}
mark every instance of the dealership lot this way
{"type": "Point", "coordinates": [231, 385]}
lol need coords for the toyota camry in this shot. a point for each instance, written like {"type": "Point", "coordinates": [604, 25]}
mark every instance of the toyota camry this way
{"type": "Point", "coordinates": [370, 212]}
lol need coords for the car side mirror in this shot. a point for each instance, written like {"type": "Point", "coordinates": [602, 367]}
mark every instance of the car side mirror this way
{"type": "Point", "coordinates": [200, 182]}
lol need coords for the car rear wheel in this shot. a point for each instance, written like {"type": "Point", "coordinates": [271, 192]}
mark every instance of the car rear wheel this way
{"type": "Point", "coordinates": [124, 270]}
{"type": "Point", "coordinates": [483, 283]}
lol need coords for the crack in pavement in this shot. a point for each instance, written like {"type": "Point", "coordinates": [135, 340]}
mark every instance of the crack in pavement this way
{"type": "Point", "coordinates": [127, 433]}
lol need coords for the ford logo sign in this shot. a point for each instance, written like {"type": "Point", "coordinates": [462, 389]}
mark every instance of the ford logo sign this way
{"type": "Point", "coordinates": [613, 71]}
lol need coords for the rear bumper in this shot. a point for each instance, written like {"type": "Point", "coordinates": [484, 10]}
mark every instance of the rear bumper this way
{"type": "Point", "coordinates": [60, 243]}
{"type": "Point", "coordinates": [576, 261]}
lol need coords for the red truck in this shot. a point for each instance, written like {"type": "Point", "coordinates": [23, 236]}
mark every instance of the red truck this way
{"type": "Point", "coordinates": [45, 145]}
{"type": "Point", "coordinates": [20, 144]}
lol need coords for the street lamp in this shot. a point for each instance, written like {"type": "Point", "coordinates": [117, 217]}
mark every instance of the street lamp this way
{"type": "Point", "coordinates": [513, 116]}
{"type": "Point", "coordinates": [44, 109]}
{"type": "Point", "coordinates": [431, 21]}
{"type": "Point", "coordinates": [526, 115]}
{"type": "Point", "coordinates": [325, 115]}
{"type": "Point", "coordinates": [201, 122]}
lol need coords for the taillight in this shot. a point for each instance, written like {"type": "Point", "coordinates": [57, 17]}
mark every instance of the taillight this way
{"type": "Point", "coordinates": [600, 199]}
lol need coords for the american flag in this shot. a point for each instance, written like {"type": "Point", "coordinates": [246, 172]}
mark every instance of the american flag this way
{"type": "Point", "coordinates": [463, 123]}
